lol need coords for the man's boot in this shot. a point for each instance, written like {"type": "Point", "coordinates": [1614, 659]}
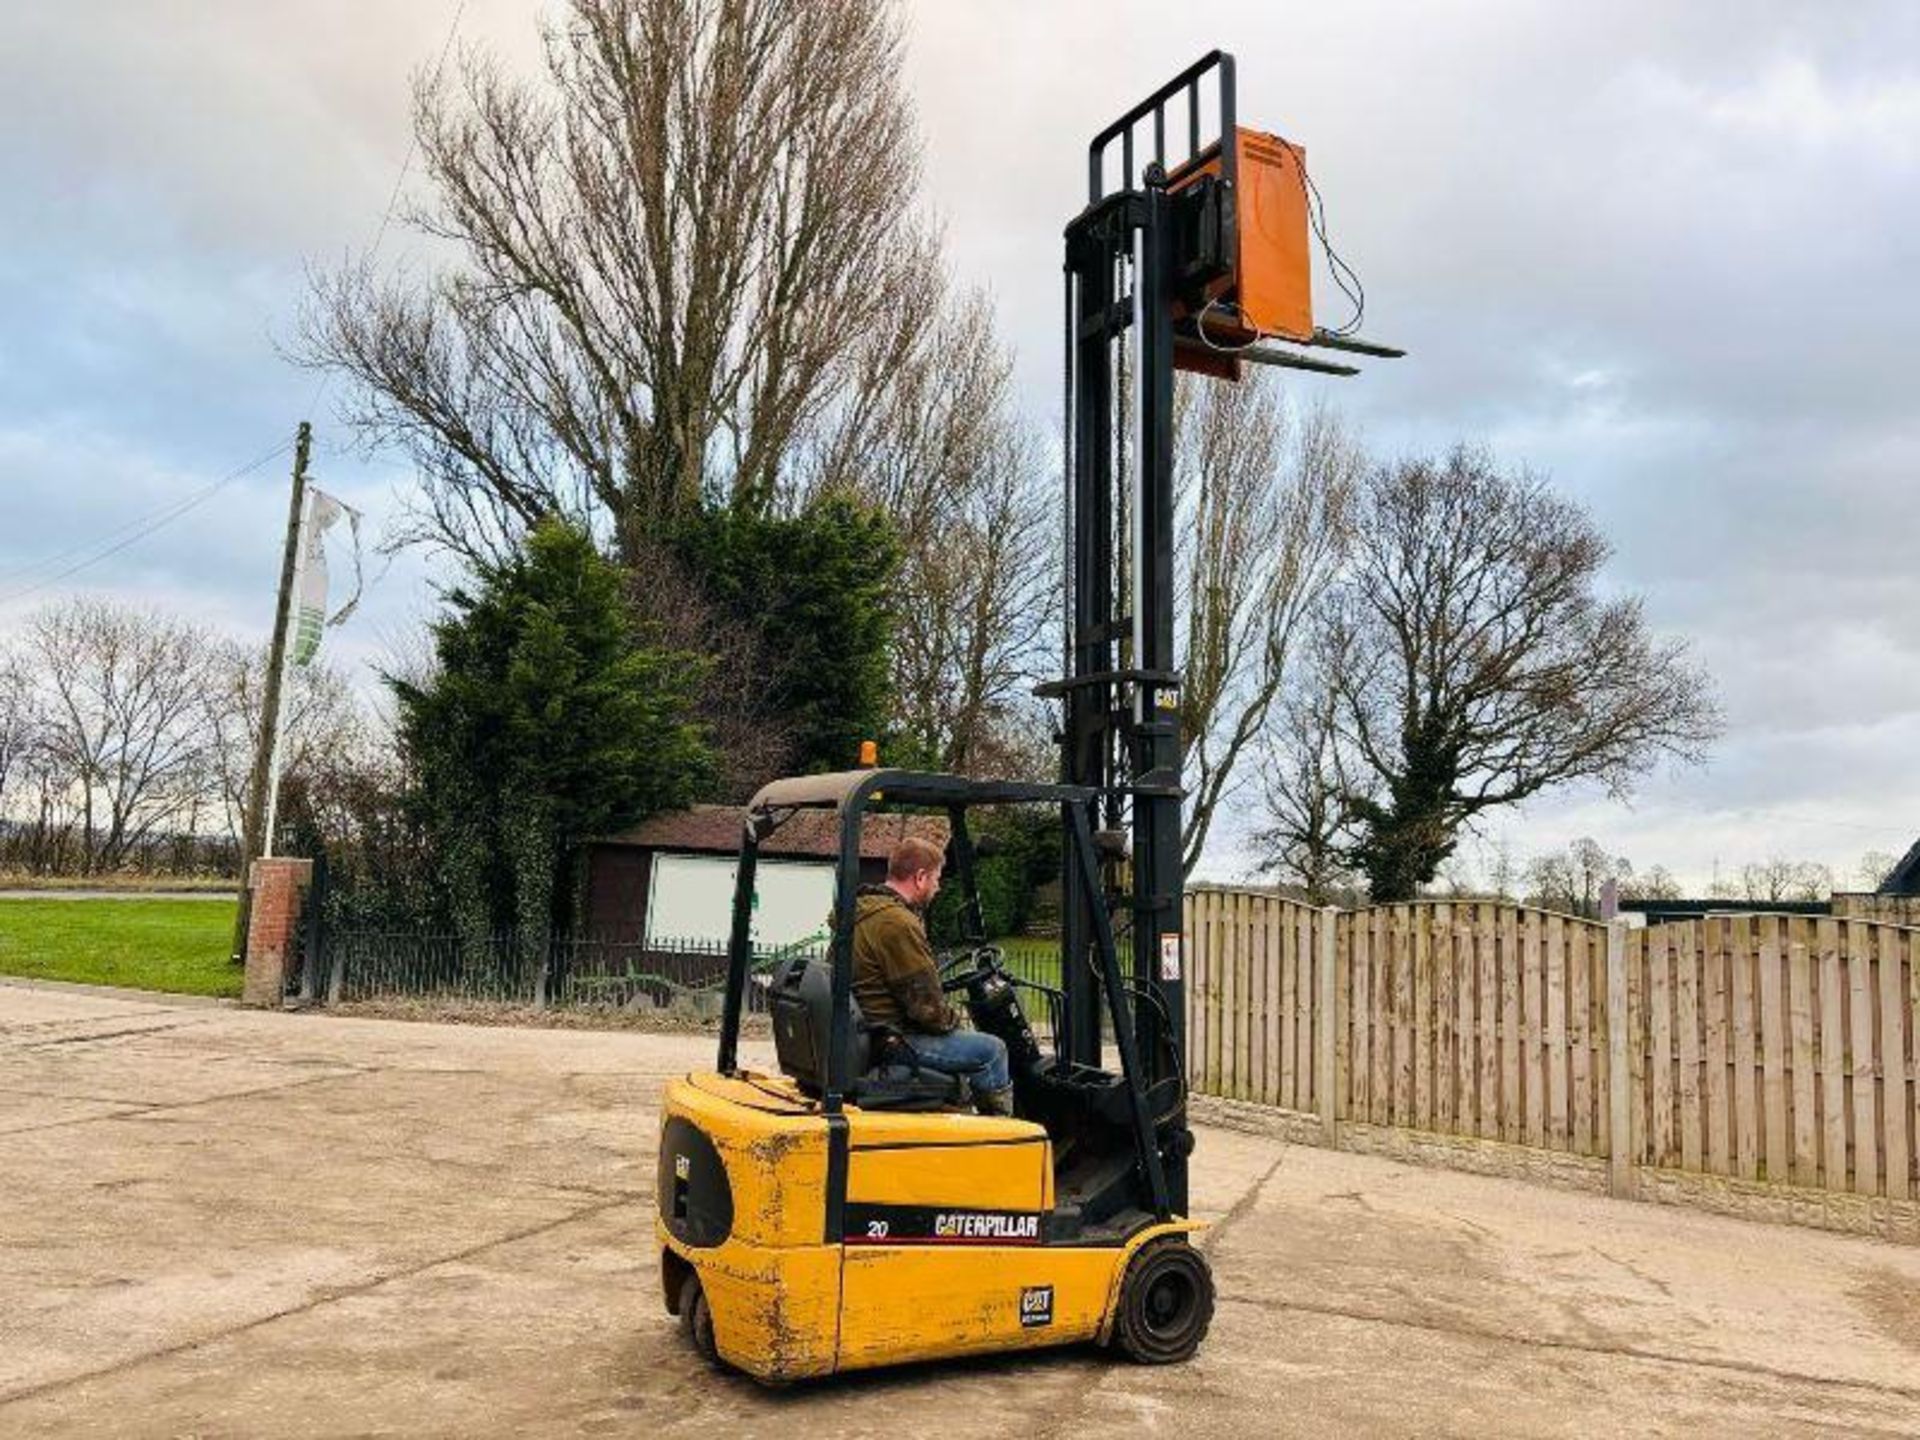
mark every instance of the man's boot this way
{"type": "Point", "coordinates": [995, 1102]}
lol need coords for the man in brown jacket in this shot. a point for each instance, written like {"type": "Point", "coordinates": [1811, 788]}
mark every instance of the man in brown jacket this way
{"type": "Point", "coordinates": [896, 983]}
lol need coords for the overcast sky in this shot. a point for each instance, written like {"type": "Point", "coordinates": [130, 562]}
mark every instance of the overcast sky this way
{"type": "Point", "coordinates": [1663, 253]}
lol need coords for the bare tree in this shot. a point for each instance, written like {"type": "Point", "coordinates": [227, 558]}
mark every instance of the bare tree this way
{"type": "Point", "coordinates": [941, 446]}
{"type": "Point", "coordinates": [126, 734]}
{"type": "Point", "coordinates": [750, 739]}
{"type": "Point", "coordinates": [19, 727]}
{"type": "Point", "coordinates": [930, 400]}
{"type": "Point", "coordinates": [324, 723]}
{"type": "Point", "coordinates": [1264, 506]}
{"type": "Point", "coordinates": [1502, 869]}
{"type": "Point", "coordinates": [1874, 868]}
{"type": "Point", "coordinates": [972, 613]}
{"type": "Point", "coordinates": [674, 258]}
{"type": "Point", "coordinates": [1778, 878]}
{"type": "Point", "coordinates": [1475, 664]}
{"type": "Point", "coordinates": [1303, 839]}
{"type": "Point", "coordinates": [1655, 883]}
{"type": "Point", "coordinates": [1572, 879]}
{"type": "Point", "coordinates": [46, 809]}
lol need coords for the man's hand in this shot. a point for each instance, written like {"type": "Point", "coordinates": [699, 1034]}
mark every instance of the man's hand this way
{"type": "Point", "coordinates": [920, 996]}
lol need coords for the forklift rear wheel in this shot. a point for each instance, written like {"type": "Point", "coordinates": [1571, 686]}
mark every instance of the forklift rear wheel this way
{"type": "Point", "coordinates": [696, 1319]}
{"type": "Point", "coordinates": [1166, 1303]}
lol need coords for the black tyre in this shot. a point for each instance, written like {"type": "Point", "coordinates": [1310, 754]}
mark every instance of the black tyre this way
{"type": "Point", "coordinates": [1166, 1303]}
{"type": "Point", "coordinates": [696, 1319]}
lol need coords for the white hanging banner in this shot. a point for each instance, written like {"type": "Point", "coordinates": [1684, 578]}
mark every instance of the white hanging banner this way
{"type": "Point", "coordinates": [309, 619]}
{"type": "Point", "coordinates": [310, 616]}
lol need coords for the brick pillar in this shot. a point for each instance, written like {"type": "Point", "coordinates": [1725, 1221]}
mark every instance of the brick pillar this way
{"type": "Point", "coordinates": [279, 887]}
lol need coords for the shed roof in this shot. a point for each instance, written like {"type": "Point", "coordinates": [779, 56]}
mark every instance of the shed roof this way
{"type": "Point", "coordinates": [1904, 878]}
{"type": "Point", "coordinates": [716, 830]}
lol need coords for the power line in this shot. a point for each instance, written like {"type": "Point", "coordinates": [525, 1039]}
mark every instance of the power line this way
{"type": "Point", "coordinates": [166, 515]}
{"type": "Point", "coordinates": [22, 572]}
{"type": "Point", "coordinates": [413, 141]}
{"type": "Point", "coordinates": [159, 520]}
{"type": "Point", "coordinates": [399, 184]}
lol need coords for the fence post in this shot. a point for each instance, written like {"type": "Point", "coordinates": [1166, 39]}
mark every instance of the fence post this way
{"type": "Point", "coordinates": [278, 885]}
{"type": "Point", "coordinates": [1620, 1157]}
{"type": "Point", "coordinates": [1327, 1004]}
{"type": "Point", "coordinates": [336, 972]}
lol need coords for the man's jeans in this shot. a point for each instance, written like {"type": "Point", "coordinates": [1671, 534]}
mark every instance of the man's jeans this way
{"type": "Point", "coordinates": [981, 1058]}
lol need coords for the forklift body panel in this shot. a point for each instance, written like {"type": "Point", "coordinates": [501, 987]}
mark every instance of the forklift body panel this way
{"type": "Point", "coordinates": [943, 1247]}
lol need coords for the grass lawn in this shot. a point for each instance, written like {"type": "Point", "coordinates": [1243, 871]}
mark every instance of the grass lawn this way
{"type": "Point", "coordinates": [179, 946]}
{"type": "Point", "coordinates": [1032, 959]}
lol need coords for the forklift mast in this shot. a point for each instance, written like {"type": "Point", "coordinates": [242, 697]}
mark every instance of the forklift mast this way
{"type": "Point", "coordinates": [1121, 732]}
{"type": "Point", "coordinates": [1191, 260]}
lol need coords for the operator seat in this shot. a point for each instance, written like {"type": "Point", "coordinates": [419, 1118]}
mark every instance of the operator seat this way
{"type": "Point", "coordinates": [800, 1004]}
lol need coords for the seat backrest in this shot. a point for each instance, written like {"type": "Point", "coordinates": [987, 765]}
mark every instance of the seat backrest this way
{"type": "Point", "coordinates": [800, 1005]}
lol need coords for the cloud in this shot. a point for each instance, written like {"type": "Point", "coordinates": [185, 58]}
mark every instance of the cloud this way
{"type": "Point", "coordinates": [171, 172]}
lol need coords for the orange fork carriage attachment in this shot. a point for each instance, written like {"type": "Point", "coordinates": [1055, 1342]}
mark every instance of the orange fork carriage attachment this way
{"type": "Point", "coordinates": [1241, 217]}
{"type": "Point", "coordinates": [1267, 290]}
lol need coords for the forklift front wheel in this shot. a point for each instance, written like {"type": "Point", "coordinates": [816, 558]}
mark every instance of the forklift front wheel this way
{"type": "Point", "coordinates": [696, 1319]}
{"type": "Point", "coordinates": [1166, 1303]}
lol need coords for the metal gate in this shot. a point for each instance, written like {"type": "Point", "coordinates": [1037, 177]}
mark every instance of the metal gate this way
{"type": "Point", "coordinates": [310, 978]}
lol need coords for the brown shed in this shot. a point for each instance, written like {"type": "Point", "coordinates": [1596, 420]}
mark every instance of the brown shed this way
{"type": "Point", "coordinates": [624, 870]}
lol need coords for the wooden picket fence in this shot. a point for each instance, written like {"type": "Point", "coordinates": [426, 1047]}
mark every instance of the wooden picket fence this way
{"type": "Point", "coordinates": [1894, 909]}
{"type": "Point", "coordinates": [1781, 1048]}
{"type": "Point", "coordinates": [1765, 1048]}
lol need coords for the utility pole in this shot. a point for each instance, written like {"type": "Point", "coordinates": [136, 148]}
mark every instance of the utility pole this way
{"type": "Point", "coordinates": [250, 837]}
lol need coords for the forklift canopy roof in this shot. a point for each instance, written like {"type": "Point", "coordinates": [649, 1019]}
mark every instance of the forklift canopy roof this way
{"type": "Point", "coordinates": [910, 787]}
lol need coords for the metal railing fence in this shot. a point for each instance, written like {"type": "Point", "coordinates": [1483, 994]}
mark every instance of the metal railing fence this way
{"type": "Point", "coordinates": [558, 970]}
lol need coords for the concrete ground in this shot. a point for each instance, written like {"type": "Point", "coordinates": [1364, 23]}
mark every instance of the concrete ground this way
{"type": "Point", "coordinates": [217, 1222]}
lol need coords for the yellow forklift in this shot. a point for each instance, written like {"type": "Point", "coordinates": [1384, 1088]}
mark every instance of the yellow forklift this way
{"type": "Point", "coordinates": [849, 1210]}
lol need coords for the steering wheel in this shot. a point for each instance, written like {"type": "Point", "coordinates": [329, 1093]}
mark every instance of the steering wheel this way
{"type": "Point", "coordinates": [963, 967]}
